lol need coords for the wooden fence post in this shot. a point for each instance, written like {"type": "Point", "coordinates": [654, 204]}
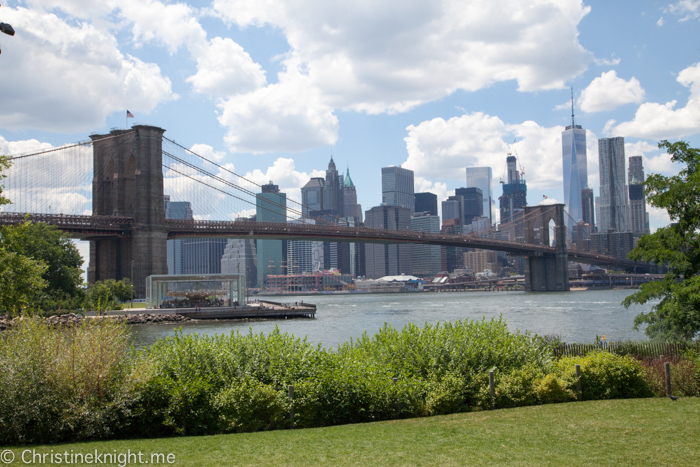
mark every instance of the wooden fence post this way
{"type": "Point", "coordinates": [667, 371]}
{"type": "Point", "coordinates": [492, 389]}
{"type": "Point", "coordinates": [394, 380]}
{"type": "Point", "coordinates": [290, 392]}
{"type": "Point", "coordinates": [579, 392]}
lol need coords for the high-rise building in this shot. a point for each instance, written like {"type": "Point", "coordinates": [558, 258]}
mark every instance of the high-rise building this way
{"type": "Point", "coordinates": [472, 204]}
{"type": "Point", "coordinates": [202, 255]}
{"type": "Point", "coordinates": [240, 257]}
{"type": "Point", "coordinates": [176, 210]}
{"type": "Point", "coordinates": [480, 260]}
{"type": "Point", "coordinates": [388, 260]}
{"type": "Point", "coordinates": [613, 189]}
{"type": "Point", "coordinates": [425, 259]}
{"type": "Point", "coordinates": [270, 206]}
{"type": "Point", "coordinates": [312, 198]}
{"type": "Point", "coordinates": [514, 196]}
{"type": "Point", "coordinates": [639, 224]}
{"type": "Point", "coordinates": [480, 177]}
{"type": "Point", "coordinates": [333, 192]}
{"type": "Point", "coordinates": [454, 256]}
{"type": "Point", "coordinates": [304, 257]}
{"type": "Point", "coordinates": [350, 206]}
{"type": "Point", "coordinates": [573, 149]}
{"type": "Point", "coordinates": [426, 202]}
{"type": "Point", "coordinates": [397, 187]}
{"type": "Point", "coordinates": [588, 206]}
{"type": "Point", "coordinates": [452, 209]}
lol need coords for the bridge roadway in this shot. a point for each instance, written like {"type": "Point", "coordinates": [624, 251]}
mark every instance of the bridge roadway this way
{"type": "Point", "coordinates": [94, 227]}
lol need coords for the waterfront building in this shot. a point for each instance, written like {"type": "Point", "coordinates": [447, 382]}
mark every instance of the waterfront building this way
{"type": "Point", "coordinates": [425, 259]}
{"type": "Point", "coordinates": [397, 187]}
{"type": "Point", "coordinates": [454, 256]}
{"type": "Point", "coordinates": [574, 162]}
{"type": "Point", "coordinates": [614, 205]}
{"type": "Point", "coordinates": [386, 260]}
{"type": "Point", "coordinates": [426, 202]}
{"type": "Point", "coordinates": [303, 256]}
{"type": "Point", "coordinates": [176, 210]}
{"type": "Point", "coordinates": [639, 218]}
{"type": "Point", "coordinates": [480, 177]}
{"type": "Point", "coordinates": [202, 255]}
{"type": "Point", "coordinates": [514, 197]}
{"type": "Point", "coordinates": [480, 260]}
{"type": "Point", "coordinates": [617, 244]}
{"type": "Point", "coordinates": [472, 203]}
{"type": "Point", "coordinates": [270, 206]}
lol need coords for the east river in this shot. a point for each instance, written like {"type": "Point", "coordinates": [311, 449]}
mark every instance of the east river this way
{"type": "Point", "coordinates": [573, 316]}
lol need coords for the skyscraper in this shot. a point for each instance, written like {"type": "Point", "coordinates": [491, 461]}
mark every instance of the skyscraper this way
{"type": "Point", "coordinates": [270, 206]}
{"type": "Point", "coordinates": [240, 257]}
{"type": "Point", "coordinates": [388, 260]}
{"type": "Point", "coordinates": [480, 177]}
{"type": "Point", "coordinates": [397, 187]}
{"type": "Point", "coordinates": [639, 223]}
{"type": "Point", "coordinates": [472, 204]}
{"type": "Point", "coordinates": [452, 209]}
{"type": "Point", "coordinates": [426, 260]}
{"type": "Point", "coordinates": [613, 190]}
{"type": "Point", "coordinates": [588, 207]}
{"type": "Point", "coordinates": [514, 196]}
{"type": "Point", "coordinates": [426, 202]}
{"type": "Point", "coordinates": [333, 192]}
{"type": "Point", "coordinates": [312, 197]}
{"type": "Point", "coordinates": [350, 206]}
{"type": "Point", "coordinates": [573, 149]}
{"type": "Point", "coordinates": [176, 210]}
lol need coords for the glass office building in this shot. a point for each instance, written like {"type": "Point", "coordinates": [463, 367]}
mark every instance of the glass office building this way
{"type": "Point", "coordinates": [481, 178]}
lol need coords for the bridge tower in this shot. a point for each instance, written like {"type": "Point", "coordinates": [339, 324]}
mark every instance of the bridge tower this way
{"type": "Point", "coordinates": [546, 272]}
{"type": "Point", "coordinates": [128, 181]}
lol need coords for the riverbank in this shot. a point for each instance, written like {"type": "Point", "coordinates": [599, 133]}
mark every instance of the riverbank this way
{"type": "Point", "coordinates": [620, 432]}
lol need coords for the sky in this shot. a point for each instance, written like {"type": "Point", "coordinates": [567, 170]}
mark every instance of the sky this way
{"type": "Point", "coordinates": [273, 88]}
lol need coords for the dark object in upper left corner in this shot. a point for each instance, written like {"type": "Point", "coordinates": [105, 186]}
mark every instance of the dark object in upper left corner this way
{"type": "Point", "coordinates": [7, 29]}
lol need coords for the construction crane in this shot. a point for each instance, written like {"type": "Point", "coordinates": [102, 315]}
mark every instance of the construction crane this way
{"type": "Point", "coordinates": [7, 29]}
{"type": "Point", "coordinates": [512, 151]}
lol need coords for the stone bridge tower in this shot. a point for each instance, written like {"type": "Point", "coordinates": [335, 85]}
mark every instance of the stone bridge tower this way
{"type": "Point", "coordinates": [128, 181]}
{"type": "Point", "coordinates": [546, 272]}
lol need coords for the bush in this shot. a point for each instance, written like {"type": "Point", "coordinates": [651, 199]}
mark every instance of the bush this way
{"type": "Point", "coordinates": [248, 405]}
{"type": "Point", "coordinates": [552, 389]}
{"type": "Point", "coordinates": [605, 376]}
{"type": "Point", "coordinates": [60, 384]}
{"type": "Point", "coordinates": [685, 375]}
{"type": "Point", "coordinates": [446, 396]}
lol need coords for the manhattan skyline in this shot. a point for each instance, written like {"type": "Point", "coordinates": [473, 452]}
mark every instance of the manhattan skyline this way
{"type": "Point", "coordinates": [271, 96]}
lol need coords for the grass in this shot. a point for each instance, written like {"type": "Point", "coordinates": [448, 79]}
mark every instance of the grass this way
{"type": "Point", "coordinates": [136, 305]}
{"type": "Point", "coordinates": [620, 432]}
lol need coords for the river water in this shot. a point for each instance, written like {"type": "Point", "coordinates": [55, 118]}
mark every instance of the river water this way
{"type": "Point", "coordinates": [576, 316]}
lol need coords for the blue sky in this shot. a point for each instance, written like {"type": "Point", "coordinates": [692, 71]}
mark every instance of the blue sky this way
{"type": "Point", "coordinates": [271, 87]}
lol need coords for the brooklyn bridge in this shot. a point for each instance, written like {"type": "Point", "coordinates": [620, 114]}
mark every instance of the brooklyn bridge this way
{"type": "Point", "coordinates": [110, 191]}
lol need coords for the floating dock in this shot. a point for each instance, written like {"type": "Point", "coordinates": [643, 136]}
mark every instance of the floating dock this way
{"type": "Point", "coordinates": [262, 309]}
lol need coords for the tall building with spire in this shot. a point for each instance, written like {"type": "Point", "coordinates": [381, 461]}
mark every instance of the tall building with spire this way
{"type": "Point", "coordinates": [573, 149]}
{"type": "Point", "coordinates": [514, 196]}
{"type": "Point", "coordinates": [333, 192]}
{"type": "Point", "coordinates": [350, 207]}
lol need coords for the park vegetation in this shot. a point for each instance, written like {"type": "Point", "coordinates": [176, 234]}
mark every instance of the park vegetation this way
{"type": "Point", "coordinates": [87, 382]}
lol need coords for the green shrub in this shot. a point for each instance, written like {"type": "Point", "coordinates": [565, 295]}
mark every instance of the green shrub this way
{"type": "Point", "coordinates": [551, 389]}
{"type": "Point", "coordinates": [605, 376]}
{"type": "Point", "coordinates": [60, 384]}
{"type": "Point", "coordinates": [446, 396]}
{"type": "Point", "coordinates": [248, 405]}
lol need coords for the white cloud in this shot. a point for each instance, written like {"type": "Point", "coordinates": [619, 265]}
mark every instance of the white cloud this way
{"type": "Point", "coordinates": [660, 121]}
{"type": "Point", "coordinates": [208, 152]}
{"type": "Point", "coordinates": [607, 61]}
{"type": "Point", "coordinates": [440, 149]}
{"type": "Point", "coordinates": [689, 8]}
{"type": "Point", "coordinates": [288, 116]}
{"type": "Point", "coordinates": [660, 22]}
{"type": "Point", "coordinates": [68, 76]}
{"type": "Point", "coordinates": [658, 217]}
{"type": "Point", "coordinates": [547, 201]}
{"type": "Point", "coordinates": [13, 148]}
{"type": "Point", "coordinates": [225, 69]}
{"type": "Point", "coordinates": [283, 173]}
{"type": "Point", "coordinates": [390, 58]}
{"type": "Point", "coordinates": [607, 92]}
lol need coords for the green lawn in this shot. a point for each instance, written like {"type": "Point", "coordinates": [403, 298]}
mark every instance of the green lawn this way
{"type": "Point", "coordinates": [136, 305]}
{"type": "Point", "coordinates": [623, 432]}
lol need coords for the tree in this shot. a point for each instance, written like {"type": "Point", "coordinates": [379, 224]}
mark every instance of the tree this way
{"type": "Point", "coordinates": [677, 315]}
{"type": "Point", "coordinates": [20, 281]}
{"type": "Point", "coordinates": [106, 295]}
{"type": "Point", "coordinates": [4, 164]}
{"type": "Point", "coordinates": [43, 242]}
